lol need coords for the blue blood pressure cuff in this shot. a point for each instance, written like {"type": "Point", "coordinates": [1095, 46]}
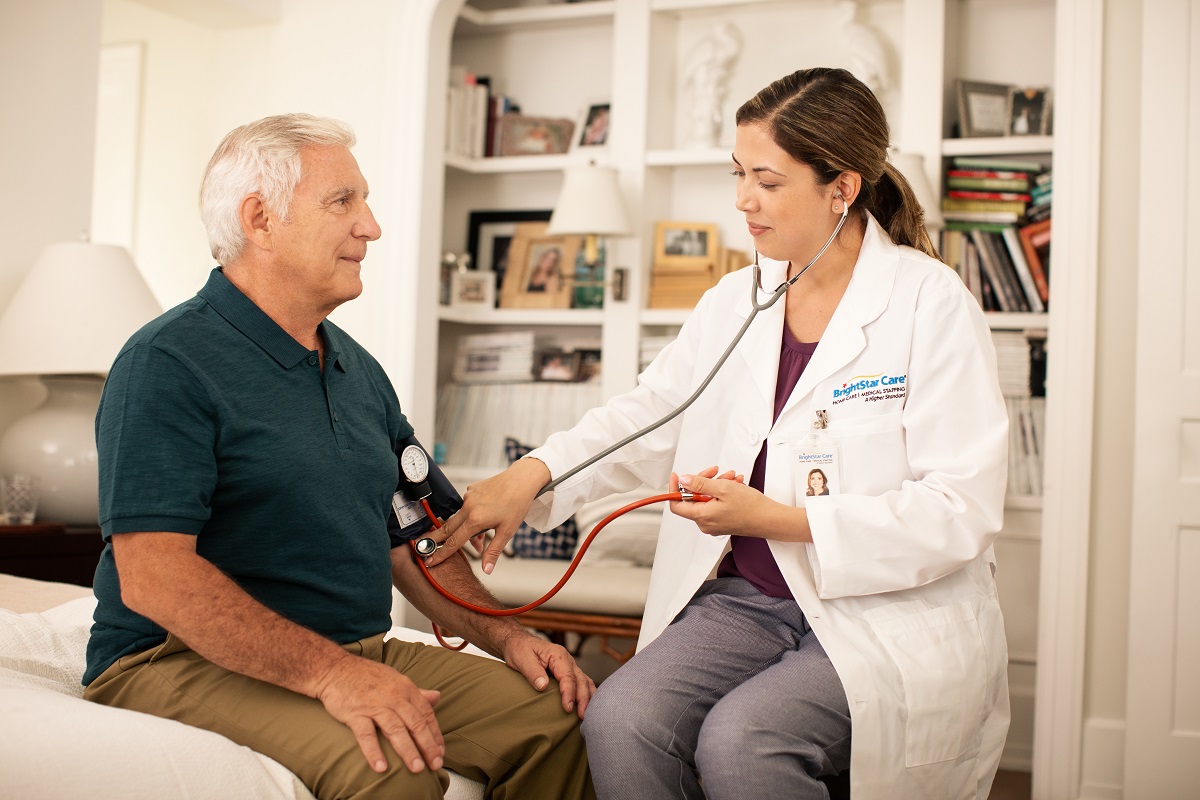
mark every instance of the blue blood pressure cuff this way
{"type": "Point", "coordinates": [408, 520]}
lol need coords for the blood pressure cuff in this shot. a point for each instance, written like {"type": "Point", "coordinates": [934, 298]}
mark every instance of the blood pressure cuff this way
{"type": "Point", "coordinates": [444, 499]}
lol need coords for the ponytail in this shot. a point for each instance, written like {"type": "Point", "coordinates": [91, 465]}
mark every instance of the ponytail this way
{"type": "Point", "coordinates": [895, 206]}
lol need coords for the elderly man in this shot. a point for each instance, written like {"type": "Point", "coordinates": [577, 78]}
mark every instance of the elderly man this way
{"type": "Point", "coordinates": [248, 460]}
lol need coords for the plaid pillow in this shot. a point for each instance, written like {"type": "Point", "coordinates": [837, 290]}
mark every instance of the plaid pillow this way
{"type": "Point", "coordinates": [529, 543]}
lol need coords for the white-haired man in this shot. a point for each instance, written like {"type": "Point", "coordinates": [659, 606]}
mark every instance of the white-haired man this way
{"type": "Point", "coordinates": [248, 459]}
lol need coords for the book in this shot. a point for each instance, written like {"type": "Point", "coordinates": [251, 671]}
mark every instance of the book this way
{"type": "Point", "coordinates": [969, 194]}
{"type": "Point", "coordinates": [1016, 254]}
{"type": "Point", "coordinates": [998, 163]}
{"type": "Point", "coordinates": [992, 264]}
{"type": "Point", "coordinates": [1035, 245]}
{"type": "Point", "coordinates": [988, 184]}
{"type": "Point", "coordinates": [1006, 174]}
{"type": "Point", "coordinates": [955, 204]}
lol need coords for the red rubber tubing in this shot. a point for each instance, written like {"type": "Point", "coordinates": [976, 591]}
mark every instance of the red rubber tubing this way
{"type": "Point", "coordinates": [510, 612]}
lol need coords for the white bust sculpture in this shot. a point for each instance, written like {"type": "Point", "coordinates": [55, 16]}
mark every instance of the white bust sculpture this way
{"type": "Point", "coordinates": [868, 58]}
{"type": "Point", "coordinates": [705, 74]}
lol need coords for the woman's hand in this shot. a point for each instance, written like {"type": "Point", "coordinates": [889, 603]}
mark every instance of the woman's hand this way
{"type": "Point", "coordinates": [738, 509]}
{"type": "Point", "coordinates": [499, 503]}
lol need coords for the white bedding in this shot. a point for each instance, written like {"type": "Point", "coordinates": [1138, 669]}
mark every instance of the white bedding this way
{"type": "Point", "coordinates": [54, 744]}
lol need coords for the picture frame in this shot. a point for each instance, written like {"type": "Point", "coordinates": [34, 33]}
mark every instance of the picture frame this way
{"type": "Point", "coordinates": [473, 288]}
{"type": "Point", "coordinates": [522, 135]}
{"type": "Point", "coordinates": [540, 268]}
{"type": "Point", "coordinates": [685, 246]}
{"type": "Point", "coordinates": [589, 366]}
{"type": "Point", "coordinates": [983, 108]}
{"type": "Point", "coordinates": [1028, 111]}
{"type": "Point", "coordinates": [490, 233]}
{"type": "Point", "coordinates": [556, 366]}
{"type": "Point", "coordinates": [594, 125]}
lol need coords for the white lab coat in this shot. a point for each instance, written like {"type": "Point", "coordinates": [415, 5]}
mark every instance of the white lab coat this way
{"type": "Point", "coordinates": [898, 583]}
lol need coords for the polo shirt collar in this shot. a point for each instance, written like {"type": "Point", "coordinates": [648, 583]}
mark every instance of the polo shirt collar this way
{"type": "Point", "coordinates": [240, 311]}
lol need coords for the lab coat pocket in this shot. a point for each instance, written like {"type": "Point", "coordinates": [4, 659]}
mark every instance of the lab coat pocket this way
{"type": "Point", "coordinates": [939, 655]}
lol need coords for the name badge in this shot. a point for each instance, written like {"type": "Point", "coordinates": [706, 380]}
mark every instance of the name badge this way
{"type": "Point", "coordinates": [816, 463]}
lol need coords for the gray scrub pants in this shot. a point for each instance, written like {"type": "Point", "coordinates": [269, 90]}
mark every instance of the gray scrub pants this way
{"type": "Point", "coordinates": [737, 694]}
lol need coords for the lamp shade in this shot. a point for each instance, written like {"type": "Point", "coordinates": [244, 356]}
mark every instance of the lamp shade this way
{"type": "Point", "coordinates": [912, 167]}
{"type": "Point", "coordinates": [590, 203]}
{"type": "Point", "coordinates": [75, 309]}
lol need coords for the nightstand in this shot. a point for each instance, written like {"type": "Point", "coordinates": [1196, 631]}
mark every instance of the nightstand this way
{"type": "Point", "coordinates": [51, 552]}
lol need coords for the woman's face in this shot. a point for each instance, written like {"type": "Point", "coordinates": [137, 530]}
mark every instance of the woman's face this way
{"type": "Point", "coordinates": [789, 215]}
{"type": "Point", "coordinates": [816, 481]}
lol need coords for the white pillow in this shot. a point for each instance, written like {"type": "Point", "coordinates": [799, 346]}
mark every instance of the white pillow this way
{"type": "Point", "coordinates": [628, 540]}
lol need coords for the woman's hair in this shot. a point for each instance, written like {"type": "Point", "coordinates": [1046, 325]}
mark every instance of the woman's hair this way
{"type": "Point", "coordinates": [829, 120]}
{"type": "Point", "coordinates": [262, 157]}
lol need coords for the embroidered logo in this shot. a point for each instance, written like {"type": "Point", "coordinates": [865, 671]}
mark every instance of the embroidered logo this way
{"type": "Point", "coordinates": [871, 388]}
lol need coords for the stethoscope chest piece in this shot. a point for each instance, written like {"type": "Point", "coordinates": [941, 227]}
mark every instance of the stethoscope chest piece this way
{"type": "Point", "coordinates": [426, 546]}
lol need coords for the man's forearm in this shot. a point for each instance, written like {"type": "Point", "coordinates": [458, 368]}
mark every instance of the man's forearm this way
{"type": "Point", "coordinates": [456, 577]}
{"type": "Point", "coordinates": [186, 594]}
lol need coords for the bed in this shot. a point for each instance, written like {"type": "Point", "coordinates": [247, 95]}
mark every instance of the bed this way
{"type": "Point", "coordinates": [54, 744]}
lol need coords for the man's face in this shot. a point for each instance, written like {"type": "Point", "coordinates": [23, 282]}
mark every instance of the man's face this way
{"type": "Point", "coordinates": [329, 224]}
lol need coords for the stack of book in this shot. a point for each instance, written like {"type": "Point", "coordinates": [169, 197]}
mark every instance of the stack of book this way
{"type": "Point", "coordinates": [471, 114]}
{"type": "Point", "coordinates": [495, 357]}
{"type": "Point", "coordinates": [997, 230]}
{"type": "Point", "coordinates": [1020, 358]}
{"type": "Point", "coordinates": [673, 286]}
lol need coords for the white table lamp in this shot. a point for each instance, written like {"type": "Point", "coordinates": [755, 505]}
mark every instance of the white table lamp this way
{"type": "Point", "coordinates": [66, 323]}
{"type": "Point", "coordinates": [590, 205]}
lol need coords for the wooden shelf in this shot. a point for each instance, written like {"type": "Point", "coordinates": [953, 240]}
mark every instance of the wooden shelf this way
{"type": "Point", "coordinates": [998, 145]}
{"type": "Point", "coordinates": [470, 315]}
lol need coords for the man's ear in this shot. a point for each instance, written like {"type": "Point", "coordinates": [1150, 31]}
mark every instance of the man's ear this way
{"type": "Point", "coordinates": [258, 223]}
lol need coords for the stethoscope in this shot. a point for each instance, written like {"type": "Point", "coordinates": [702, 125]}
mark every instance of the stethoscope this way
{"type": "Point", "coordinates": [427, 546]}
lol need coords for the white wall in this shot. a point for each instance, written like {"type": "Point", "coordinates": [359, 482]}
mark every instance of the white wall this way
{"type": "Point", "coordinates": [48, 56]}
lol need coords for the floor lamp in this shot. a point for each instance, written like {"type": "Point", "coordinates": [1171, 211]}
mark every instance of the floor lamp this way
{"type": "Point", "coordinates": [65, 325]}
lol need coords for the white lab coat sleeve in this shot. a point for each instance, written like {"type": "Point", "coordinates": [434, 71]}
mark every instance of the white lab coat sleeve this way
{"type": "Point", "coordinates": [666, 382]}
{"type": "Point", "coordinates": [955, 439]}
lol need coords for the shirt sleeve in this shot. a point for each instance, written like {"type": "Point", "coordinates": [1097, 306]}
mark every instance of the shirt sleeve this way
{"type": "Point", "coordinates": [156, 432]}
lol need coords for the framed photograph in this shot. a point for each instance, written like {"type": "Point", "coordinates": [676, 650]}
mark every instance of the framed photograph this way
{"type": "Point", "coordinates": [983, 108]}
{"type": "Point", "coordinates": [540, 269]}
{"type": "Point", "coordinates": [589, 366]}
{"type": "Point", "coordinates": [555, 365]}
{"type": "Point", "coordinates": [489, 235]}
{"type": "Point", "coordinates": [1028, 111]}
{"type": "Point", "coordinates": [593, 126]}
{"type": "Point", "coordinates": [685, 246]}
{"type": "Point", "coordinates": [534, 136]}
{"type": "Point", "coordinates": [473, 288]}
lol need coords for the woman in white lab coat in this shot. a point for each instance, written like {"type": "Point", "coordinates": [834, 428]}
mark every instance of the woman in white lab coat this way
{"type": "Point", "coordinates": [858, 629]}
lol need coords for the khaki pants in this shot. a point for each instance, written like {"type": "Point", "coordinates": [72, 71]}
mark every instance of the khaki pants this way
{"type": "Point", "coordinates": [498, 730]}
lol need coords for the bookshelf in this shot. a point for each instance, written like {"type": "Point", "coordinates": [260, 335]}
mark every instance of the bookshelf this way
{"type": "Point", "coordinates": [633, 52]}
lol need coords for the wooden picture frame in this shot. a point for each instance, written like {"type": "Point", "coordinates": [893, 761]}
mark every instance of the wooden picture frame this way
{"type": "Point", "coordinates": [593, 128]}
{"type": "Point", "coordinates": [685, 246]}
{"type": "Point", "coordinates": [540, 270]}
{"type": "Point", "coordinates": [473, 288]}
{"type": "Point", "coordinates": [534, 136]}
{"type": "Point", "coordinates": [1028, 111]}
{"type": "Point", "coordinates": [556, 366]}
{"type": "Point", "coordinates": [983, 108]}
{"type": "Point", "coordinates": [490, 234]}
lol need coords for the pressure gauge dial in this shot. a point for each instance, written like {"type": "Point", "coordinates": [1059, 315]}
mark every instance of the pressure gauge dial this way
{"type": "Point", "coordinates": [414, 464]}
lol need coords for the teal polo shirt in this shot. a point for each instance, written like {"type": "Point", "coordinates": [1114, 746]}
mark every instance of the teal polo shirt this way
{"type": "Point", "coordinates": [215, 423]}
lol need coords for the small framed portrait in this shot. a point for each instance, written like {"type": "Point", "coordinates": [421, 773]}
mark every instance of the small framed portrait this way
{"type": "Point", "coordinates": [983, 108]}
{"type": "Point", "coordinates": [540, 269]}
{"type": "Point", "coordinates": [685, 246]}
{"type": "Point", "coordinates": [473, 288]}
{"type": "Point", "coordinates": [1028, 111]}
{"type": "Point", "coordinates": [589, 366]}
{"type": "Point", "coordinates": [534, 136]}
{"type": "Point", "coordinates": [555, 365]}
{"type": "Point", "coordinates": [490, 234]}
{"type": "Point", "coordinates": [593, 126]}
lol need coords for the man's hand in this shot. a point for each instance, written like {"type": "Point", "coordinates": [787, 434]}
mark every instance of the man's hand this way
{"type": "Point", "coordinates": [536, 659]}
{"type": "Point", "coordinates": [364, 696]}
{"type": "Point", "coordinates": [499, 503]}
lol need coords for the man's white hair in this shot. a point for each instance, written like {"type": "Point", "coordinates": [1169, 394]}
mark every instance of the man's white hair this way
{"type": "Point", "coordinates": [261, 158]}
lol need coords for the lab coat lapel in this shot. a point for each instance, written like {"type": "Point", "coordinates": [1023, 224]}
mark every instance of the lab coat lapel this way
{"type": "Point", "coordinates": [760, 346]}
{"type": "Point", "coordinates": [865, 299]}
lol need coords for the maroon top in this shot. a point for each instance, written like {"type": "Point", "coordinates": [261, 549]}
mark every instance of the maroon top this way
{"type": "Point", "coordinates": [751, 557]}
